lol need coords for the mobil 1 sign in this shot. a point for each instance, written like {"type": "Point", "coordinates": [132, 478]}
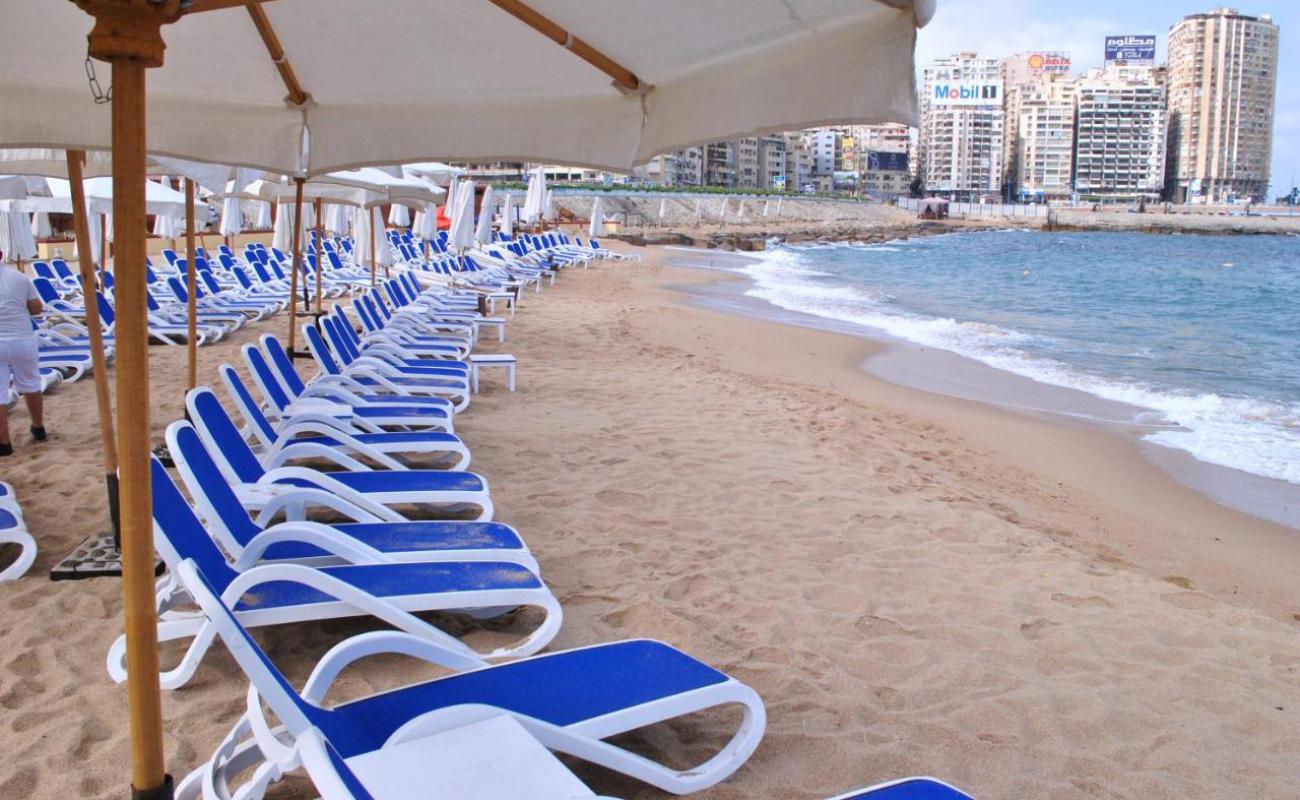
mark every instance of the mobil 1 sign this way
{"type": "Point", "coordinates": [1131, 49]}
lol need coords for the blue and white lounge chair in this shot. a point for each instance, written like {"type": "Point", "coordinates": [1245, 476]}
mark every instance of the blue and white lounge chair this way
{"type": "Point", "coordinates": [570, 701]}
{"type": "Point", "coordinates": [14, 531]}
{"type": "Point", "coordinates": [306, 542]}
{"type": "Point", "coordinates": [274, 594]}
{"type": "Point", "coordinates": [304, 433]}
{"type": "Point", "coordinates": [272, 489]}
{"type": "Point", "coordinates": [907, 789]}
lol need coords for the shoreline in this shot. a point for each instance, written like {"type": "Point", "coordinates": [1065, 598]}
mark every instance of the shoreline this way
{"type": "Point", "coordinates": [1113, 466]}
{"type": "Point", "coordinates": [933, 370]}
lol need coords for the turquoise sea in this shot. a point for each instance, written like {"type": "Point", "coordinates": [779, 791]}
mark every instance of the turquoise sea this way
{"type": "Point", "coordinates": [1200, 333]}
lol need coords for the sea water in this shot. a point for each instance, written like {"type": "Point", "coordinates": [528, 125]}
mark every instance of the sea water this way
{"type": "Point", "coordinates": [1202, 333]}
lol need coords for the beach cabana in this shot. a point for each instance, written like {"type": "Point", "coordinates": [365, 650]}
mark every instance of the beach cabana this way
{"type": "Point", "coordinates": [591, 83]}
{"type": "Point", "coordinates": [932, 208]}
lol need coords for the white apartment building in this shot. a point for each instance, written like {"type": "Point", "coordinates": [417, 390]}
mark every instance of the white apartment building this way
{"type": "Point", "coordinates": [745, 163]}
{"type": "Point", "coordinates": [1043, 151]}
{"type": "Point", "coordinates": [1120, 133]}
{"type": "Point", "coordinates": [963, 127]}
{"type": "Point", "coordinates": [771, 161]}
{"type": "Point", "coordinates": [1222, 98]}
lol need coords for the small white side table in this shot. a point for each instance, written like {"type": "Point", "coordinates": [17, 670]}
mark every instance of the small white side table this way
{"type": "Point", "coordinates": [480, 360]}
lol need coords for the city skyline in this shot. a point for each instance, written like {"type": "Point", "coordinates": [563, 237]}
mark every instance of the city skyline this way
{"type": "Point", "coordinates": [967, 25]}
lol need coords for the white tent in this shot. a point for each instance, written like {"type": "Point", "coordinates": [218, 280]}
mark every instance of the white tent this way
{"type": "Point", "coordinates": [483, 230]}
{"type": "Point", "coordinates": [16, 240]}
{"type": "Point", "coordinates": [399, 216]}
{"type": "Point", "coordinates": [232, 217]}
{"type": "Point", "coordinates": [507, 215]}
{"type": "Point", "coordinates": [706, 71]}
{"type": "Point", "coordinates": [461, 235]}
{"type": "Point", "coordinates": [597, 226]}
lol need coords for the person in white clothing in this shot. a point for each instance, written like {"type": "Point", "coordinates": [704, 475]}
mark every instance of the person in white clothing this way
{"type": "Point", "coordinates": [19, 354]}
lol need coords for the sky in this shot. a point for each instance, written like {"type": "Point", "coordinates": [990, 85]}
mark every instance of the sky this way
{"type": "Point", "coordinates": [1007, 27]}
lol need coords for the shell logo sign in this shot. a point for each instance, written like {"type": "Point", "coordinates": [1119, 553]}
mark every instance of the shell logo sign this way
{"type": "Point", "coordinates": [1049, 62]}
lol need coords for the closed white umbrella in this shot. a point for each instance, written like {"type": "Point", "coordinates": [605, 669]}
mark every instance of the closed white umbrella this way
{"type": "Point", "coordinates": [336, 219]}
{"type": "Point", "coordinates": [453, 192]}
{"type": "Point", "coordinates": [263, 221]}
{"type": "Point", "coordinates": [663, 206]}
{"type": "Point", "coordinates": [461, 235]}
{"type": "Point", "coordinates": [507, 215]}
{"type": "Point", "coordinates": [722, 211]}
{"type": "Point", "coordinates": [41, 225]}
{"type": "Point", "coordinates": [383, 252]}
{"type": "Point", "coordinates": [767, 204]}
{"type": "Point", "coordinates": [535, 198]}
{"type": "Point", "coordinates": [232, 217]}
{"type": "Point", "coordinates": [483, 230]}
{"type": "Point", "coordinates": [399, 216]}
{"type": "Point", "coordinates": [16, 236]}
{"type": "Point", "coordinates": [548, 206]}
{"type": "Point", "coordinates": [283, 238]}
{"type": "Point", "coordinates": [597, 226]}
{"type": "Point", "coordinates": [779, 200]}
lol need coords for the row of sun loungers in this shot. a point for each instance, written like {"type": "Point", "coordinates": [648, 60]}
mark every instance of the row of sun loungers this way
{"type": "Point", "coordinates": [371, 442]}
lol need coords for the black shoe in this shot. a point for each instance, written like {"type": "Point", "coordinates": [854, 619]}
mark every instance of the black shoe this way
{"type": "Point", "coordinates": [39, 434]}
{"type": "Point", "coordinates": [6, 449]}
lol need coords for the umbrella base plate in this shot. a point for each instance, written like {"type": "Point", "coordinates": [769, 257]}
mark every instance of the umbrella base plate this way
{"type": "Point", "coordinates": [96, 557]}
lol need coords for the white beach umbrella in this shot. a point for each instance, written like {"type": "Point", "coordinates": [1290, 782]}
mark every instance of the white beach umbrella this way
{"type": "Point", "coordinates": [583, 82]}
{"type": "Point", "coordinates": [41, 225]}
{"type": "Point", "coordinates": [663, 206]}
{"type": "Point", "coordinates": [597, 225]}
{"type": "Point", "coordinates": [282, 240]}
{"type": "Point", "coordinates": [159, 200]}
{"type": "Point", "coordinates": [461, 235]}
{"type": "Point", "coordinates": [232, 217]}
{"type": "Point", "coordinates": [16, 236]}
{"type": "Point", "coordinates": [507, 215]}
{"type": "Point", "coordinates": [399, 216]}
{"type": "Point", "coordinates": [483, 228]}
{"type": "Point", "coordinates": [548, 206]}
{"type": "Point", "coordinates": [433, 171]}
{"type": "Point", "coordinates": [164, 227]}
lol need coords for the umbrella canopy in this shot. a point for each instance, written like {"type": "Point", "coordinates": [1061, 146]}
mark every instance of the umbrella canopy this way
{"type": "Point", "coordinates": [336, 219]}
{"type": "Point", "coordinates": [20, 187]}
{"type": "Point", "coordinates": [507, 214]}
{"type": "Point", "coordinates": [461, 235]}
{"type": "Point", "coordinates": [165, 227]}
{"type": "Point", "coordinates": [535, 197]}
{"type": "Point", "coordinates": [399, 216]}
{"type": "Point", "coordinates": [16, 240]}
{"type": "Point", "coordinates": [483, 231]}
{"type": "Point", "coordinates": [636, 82]}
{"type": "Point", "coordinates": [596, 228]}
{"type": "Point", "coordinates": [232, 217]}
{"type": "Point", "coordinates": [51, 163]}
{"type": "Point", "coordinates": [159, 200]}
{"type": "Point", "coordinates": [386, 187]}
{"type": "Point", "coordinates": [548, 205]}
{"type": "Point", "coordinates": [433, 171]}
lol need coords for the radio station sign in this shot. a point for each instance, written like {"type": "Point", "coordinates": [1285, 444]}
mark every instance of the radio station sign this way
{"type": "Point", "coordinates": [966, 93]}
{"type": "Point", "coordinates": [1131, 49]}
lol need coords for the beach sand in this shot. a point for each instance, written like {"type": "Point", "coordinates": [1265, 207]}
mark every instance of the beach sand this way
{"type": "Point", "coordinates": [914, 584]}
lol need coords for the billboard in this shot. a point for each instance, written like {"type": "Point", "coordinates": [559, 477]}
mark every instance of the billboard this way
{"type": "Point", "coordinates": [1055, 63]}
{"type": "Point", "coordinates": [1131, 49]}
{"type": "Point", "coordinates": [967, 93]}
{"type": "Point", "coordinates": [893, 162]}
{"type": "Point", "coordinates": [844, 181]}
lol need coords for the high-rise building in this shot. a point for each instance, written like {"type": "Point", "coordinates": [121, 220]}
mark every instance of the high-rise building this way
{"type": "Point", "coordinates": [772, 162]}
{"type": "Point", "coordinates": [963, 127]}
{"type": "Point", "coordinates": [1043, 151]}
{"type": "Point", "coordinates": [1120, 133]}
{"type": "Point", "coordinates": [826, 147]}
{"type": "Point", "coordinates": [719, 164]}
{"type": "Point", "coordinates": [799, 161]}
{"type": "Point", "coordinates": [745, 163]}
{"type": "Point", "coordinates": [688, 167]}
{"type": "Point", "coordinates": [1021, 74]}
{"type": "Point", "coordinates": [1222, 93]}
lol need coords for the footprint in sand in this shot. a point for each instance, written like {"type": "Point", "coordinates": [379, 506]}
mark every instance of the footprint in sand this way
{"type": "Point", "coordinates": [1082, 602]}
{"type": "Point", "coordinates": [1035, 629]}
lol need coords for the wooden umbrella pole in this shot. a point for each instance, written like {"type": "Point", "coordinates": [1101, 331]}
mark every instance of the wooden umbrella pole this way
{"type": "Point", "coordinates": [191, 290]}
{"type": "Point", "coordinates": [128, 35]}
{"type": "Point", "coordinates": [297, 254]}
{"type": "Point", "coordinates": [371, 212]}
{"type": "Point", "coordinates": [320, 249]}
{"type": "Point", "coordinates": [99, 364]}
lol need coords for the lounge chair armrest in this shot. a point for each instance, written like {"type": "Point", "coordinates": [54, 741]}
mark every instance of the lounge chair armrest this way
{"type": "Point", "coordinates": [307, 532]}
{"type": "Point", "coordinates": [325, 483]}
{"type": "Point", "coordinates": [372, 643]}
{"type": "Point", "coordinates": [286, 501]}
{"type": "Point", "coordinates": [333, 455]}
